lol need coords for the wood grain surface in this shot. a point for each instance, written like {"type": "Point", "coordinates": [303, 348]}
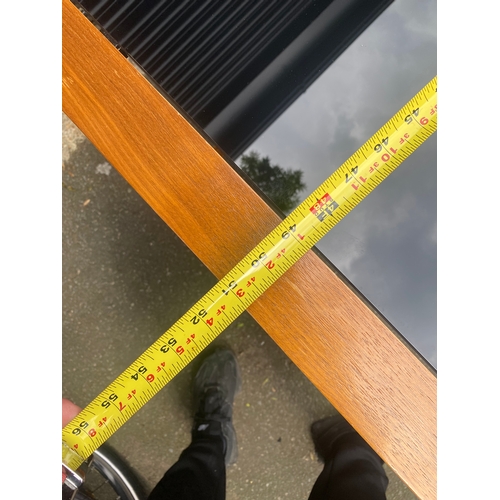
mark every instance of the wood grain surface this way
{"type": "Point", "coordinates": [336, 340]}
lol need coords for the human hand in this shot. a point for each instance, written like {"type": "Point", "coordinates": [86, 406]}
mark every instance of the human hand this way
{"type": "Point", "coordinates": [69, 412]}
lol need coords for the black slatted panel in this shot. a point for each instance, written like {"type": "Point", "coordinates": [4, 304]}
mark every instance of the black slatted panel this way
{"type": "Point", "coordinates": [204, 52]}
{"type": "Point", "coordinates": [233, 65]}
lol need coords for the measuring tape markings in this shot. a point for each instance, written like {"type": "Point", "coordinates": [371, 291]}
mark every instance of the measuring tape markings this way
{"type": "Point", "coordinates": [249, 279]}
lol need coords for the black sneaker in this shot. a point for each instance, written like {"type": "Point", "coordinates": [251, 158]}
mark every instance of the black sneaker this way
{"type": "Point", "coordinates": [330, 433]}
{"type": "Point", "coordinates": [217, 382]}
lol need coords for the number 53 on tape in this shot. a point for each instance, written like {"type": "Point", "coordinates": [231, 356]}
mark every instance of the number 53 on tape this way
{"type": "Point", "coordinates": [251, 277]}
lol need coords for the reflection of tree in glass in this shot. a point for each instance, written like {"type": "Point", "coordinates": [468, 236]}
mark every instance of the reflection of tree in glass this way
{"type": "Point", "coordinates": [282, 186]}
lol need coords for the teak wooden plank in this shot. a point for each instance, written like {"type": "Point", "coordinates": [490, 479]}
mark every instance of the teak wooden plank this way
{"type": "Point", "coordinates": [330, 333]}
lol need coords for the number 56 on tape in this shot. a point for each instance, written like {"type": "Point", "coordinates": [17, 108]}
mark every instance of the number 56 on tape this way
{"type": "Point", "coordinates": [252, 276]}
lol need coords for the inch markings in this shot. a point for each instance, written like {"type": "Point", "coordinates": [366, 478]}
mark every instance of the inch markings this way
{"type": "Point", "coordinates": [252, 276]}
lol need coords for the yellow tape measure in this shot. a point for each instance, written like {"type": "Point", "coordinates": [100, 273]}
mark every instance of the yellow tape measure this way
{"type": "Point", "coordinates": [251, 277]}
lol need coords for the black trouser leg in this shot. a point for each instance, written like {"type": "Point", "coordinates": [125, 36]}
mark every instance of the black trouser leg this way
{"type": "Point", "coordinates": [199, 474]}
{"type": "Point", "coordinates": [355, 472]}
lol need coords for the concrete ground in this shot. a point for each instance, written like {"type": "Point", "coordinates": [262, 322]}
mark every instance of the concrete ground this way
{"type": "Point", "coordinates": [126, 279]}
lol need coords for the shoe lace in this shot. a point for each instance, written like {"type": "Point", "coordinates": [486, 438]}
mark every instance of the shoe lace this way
{"type": "Point", "coordinates": [213, 406]}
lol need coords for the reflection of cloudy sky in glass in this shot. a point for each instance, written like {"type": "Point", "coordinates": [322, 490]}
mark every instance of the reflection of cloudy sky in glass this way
{"type": "Point", "coordinates": [387, 245]}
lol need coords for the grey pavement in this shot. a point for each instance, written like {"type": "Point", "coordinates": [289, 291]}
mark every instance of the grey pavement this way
{"type": "Point", "coordinates": [126, 279]}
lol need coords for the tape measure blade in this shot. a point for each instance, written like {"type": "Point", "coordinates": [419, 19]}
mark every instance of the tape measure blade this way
{"type": "Point", "coordinates": [252, 276]}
